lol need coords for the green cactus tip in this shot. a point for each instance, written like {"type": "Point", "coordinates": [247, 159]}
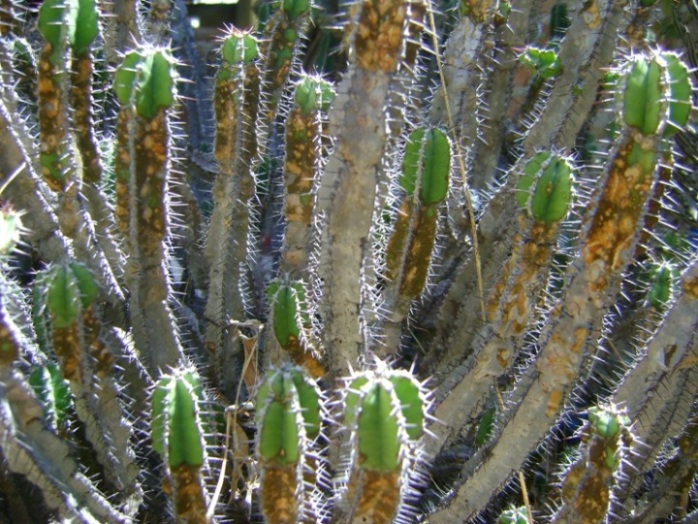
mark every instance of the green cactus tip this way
{"type": "Point", "coordinates": [385, 409]}
{"type": "Point", "coordinates": [286, 400]}
{"type": "Point", "coordinates": [644, 94]}
{"type": "Point", "coordinates": [545, 188]}
{"type": "Point", "coordinates": [71, 288]}
{"type": "Point", "coordinates": [545, 62]}
{"type": "Point", "coordinates": [176, 430]}
{"type": "Point", "coordinates": [82, 21]}
{"type": "Point", "coordinates": [239, 47]}
{"type": "Point", "coordinates": [149, 75]}
{"type": "Point", "coordinates": [313, 93]}
{"type": "Point", "coordinates": [427, 154]}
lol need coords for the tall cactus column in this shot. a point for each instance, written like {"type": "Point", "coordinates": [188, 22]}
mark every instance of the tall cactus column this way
{"type": "Point", "coordinates": [571, 332]}
{"type": "Point", "coordinates": [236, 99]}
{"type": "Point", "coordinates": [145, 87]}
{"type": "Point", "coordinates": [348, 188]}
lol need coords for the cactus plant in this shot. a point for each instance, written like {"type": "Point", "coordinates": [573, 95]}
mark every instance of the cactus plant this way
{"type": "Point", "coordinates": [396, 261]}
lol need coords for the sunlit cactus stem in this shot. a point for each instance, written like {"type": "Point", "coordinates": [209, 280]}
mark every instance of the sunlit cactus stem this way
{"type": "Point", "coordinates": [290, 327]}
{"type": "Point", "coordinates": [348, 187]}
{"type": "Point", "coordinates": [65, 303]}
{"type": "Point", "coordinates": [228, 251]}
{"type": "Point", "coordinates": [423, 186]}
{"type": "Point", "coordinates": [178, 437]}
{"type": "Point", "coordinates": [55, 158]}
{"type": "Point", "coordinates": [544, 195]}
{"type": "Point", "coordinates": [592, 280]}
{"type": "Point", "coordinates": [384, 413]}
{"type": "Point", "coordinates": [289, 420]}
{"type": "Point", "coordinates": [83, 30]}
{"type": "Point", "coordinates": [145, 87]}
{"type": "Point", "coordinates": [283, 33]}
{"type": "Point", "coordinates": [302, 169]}
{"type": "Point", "coordinates": [588, 482]}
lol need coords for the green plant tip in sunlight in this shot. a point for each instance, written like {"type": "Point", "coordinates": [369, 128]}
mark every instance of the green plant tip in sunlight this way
{"type": "Point", "coordinates": [286, 402]}
{"type": "Point", "coordinates": [313, 93]}
{"type": "Point", "coordinates": [378, 429]}
{"type": "Point", "coordinates": [71, 288]}
{"type": "Point", "coordinates": [155, 85]}
{"type": "Point", "coordinates": [644, 95]}
{"type": "Point", "coordinates": [239, 47]}
{"type": "Point", "coordinates": [287, 304]}
{"type": "Point", "coordinates": [545, 187]}
{"type": "Point", "coordinates": [82, 21]}
{"type": "Point", "coordinates": [427, 162]}
{"type": "Point", "coordinates": [176, 429]}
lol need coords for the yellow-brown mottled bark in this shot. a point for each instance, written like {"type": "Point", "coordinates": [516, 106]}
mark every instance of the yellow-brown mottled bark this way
{"type": "Point", "coordinates": [304, 356]}
{"type": "Point", "coordinates": [104, 359]}
{"type": "Point", "coordinates": [379, 34]}
{"type": "Point", "coordinates": [410, 248]}
{"type": "Point", "coordinates": [278, 493]}
{"type": "Point", "coordinates": [479, 11]}
{"type": "Point", "coordinates": [398, 240]}
{"type": "Point", "coordinates": [301, 162]}
{"type": "Point", "coordinates": [52, 132]}
{"type": "Point", "coordinates": [66, 344]}
{"type": "Point", "coordinates": [151, 172]}
{"type": "Point", "coordinates": [225, 93]}
{"type": "Point", "coordinates": [280, 51]}
{"type": "Point", "coordinates": [690, 287]}
{"type": "Point", "coordinates": [378, 496]}
{"type": "Point", "coordinates": [620, 209]}
{"type": "Point", "coordinates": [81, 91]}
{"type": "Point", "coordinates": [122, 169]}
{"type": "Point", "coordinates": [419, 255]}
{"type": "Point", "coordinates": [586, 490]}
{"type": "Point", "coordinates": [536, 253]}
{"type": "Point", "coordinates": [189, 500]}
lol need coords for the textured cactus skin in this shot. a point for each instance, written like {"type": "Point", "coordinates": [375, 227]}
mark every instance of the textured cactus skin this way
{"type": "Point", "coordinates": [393, 261]}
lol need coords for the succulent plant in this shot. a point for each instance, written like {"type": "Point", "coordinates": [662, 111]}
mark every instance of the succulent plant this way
{"type": "Point", "coordinates": [392, 261]}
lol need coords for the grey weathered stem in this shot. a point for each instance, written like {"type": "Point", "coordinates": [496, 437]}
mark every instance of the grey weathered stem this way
{"type": "Point", "coordinates": [31, 449]}
{"type": "Point", "coordinates": [346, 198]}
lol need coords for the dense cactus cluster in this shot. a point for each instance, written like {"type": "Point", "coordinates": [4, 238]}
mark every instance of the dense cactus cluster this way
{"type": "Point", "coordinates": [392, 261]}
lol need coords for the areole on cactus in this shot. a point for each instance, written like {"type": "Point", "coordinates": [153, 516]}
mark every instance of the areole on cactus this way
{"type": "Point", "coordinates": [393, 261]}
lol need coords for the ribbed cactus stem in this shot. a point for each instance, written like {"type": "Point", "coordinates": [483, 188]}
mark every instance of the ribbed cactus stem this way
{"type": "Point", "coordinates": [424, 182]}
{"type": "Point", "coordinates": [348, 187]}
{"type": "Point", "coordinates": [84, 25]}
{"type": "Point", "coordinates": [178, 437]}
{"type": "Point", "coordinates": [592, 283]}
{"type": "Point", "coordinates": [583, 54]}
{"type": "Point", "coordinates": [290, 335]}
{"type": "Point", "coordinates": [384, 413]}
{"type": "Point", "coordinates": [63, 24]}
{"type": "Point", "coordinates": [55, 159]}
{"type": "Point", "coordinates": [544, 191]}
{"type": "Point", "coordinates": [659, 366]}
{"type": "Point", "coordinates": [289, 420]}
{"type": "Point", "coordinates": [236, 99]}
{"type": "Point", "coordinates": [70, 292]}
{"type": "Point", "coordinates": [283, 34]}
{"type": "Point", "coordinates": [588, 482]}
{"type": "Point", "coordinates": [302, 168]}
{"type": "Point", "coordinates": [145, 88]}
